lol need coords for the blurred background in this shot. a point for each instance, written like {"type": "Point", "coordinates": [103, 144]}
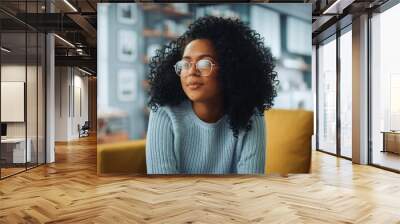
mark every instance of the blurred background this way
{"type": "Point", "coordinates": [129, 34]}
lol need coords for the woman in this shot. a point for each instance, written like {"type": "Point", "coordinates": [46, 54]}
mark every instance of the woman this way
{"type": "Point", "coordinates": [209, 89]}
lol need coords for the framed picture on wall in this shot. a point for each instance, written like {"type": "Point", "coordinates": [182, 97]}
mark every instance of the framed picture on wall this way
{"type": "Point", "coordinates": [127, 13]}
{"type": "Point", "coordinates": [12, 101]}
{"type": "Point", "coordinates": [127, 42]}
{"type": "Point", "coordinates": [127, 85]}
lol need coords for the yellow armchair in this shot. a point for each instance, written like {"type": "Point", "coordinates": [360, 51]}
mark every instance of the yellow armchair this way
{"type": "Point", "coordinates": [288, 137]}
{"type": "Point", "coordinates": [288, 147]}
{"type": "Point", "coordinates": [124, 157]}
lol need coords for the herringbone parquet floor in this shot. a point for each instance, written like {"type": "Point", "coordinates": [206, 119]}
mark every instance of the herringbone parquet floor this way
{"type": "Point", "coordinates": [70, 192]}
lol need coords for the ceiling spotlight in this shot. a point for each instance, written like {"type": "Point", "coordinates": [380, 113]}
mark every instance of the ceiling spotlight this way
{"type": "Point", "coordinates": [84, 71]}
{"type": "Point", "coordinates": [5, 50]}
{"type": "Point", "coordinates": [70, 5]}
{"type": "Point", "coordinates": [65, 41]}
{"type": "Point", "coordinates": [337, 7]}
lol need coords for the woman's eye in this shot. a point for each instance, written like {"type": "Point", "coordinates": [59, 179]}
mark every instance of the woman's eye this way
{"type": "Point", "coordinates": [185, 65]}
{"type": "Point", "coordinates": [204, 64]}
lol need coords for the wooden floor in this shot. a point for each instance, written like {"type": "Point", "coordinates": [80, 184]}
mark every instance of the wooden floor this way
{"type": "Point", "coordinates": [70, 192]}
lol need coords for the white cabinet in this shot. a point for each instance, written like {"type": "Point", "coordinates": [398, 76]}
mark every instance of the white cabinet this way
{"type": "Point", "coordinates": [17, 146]}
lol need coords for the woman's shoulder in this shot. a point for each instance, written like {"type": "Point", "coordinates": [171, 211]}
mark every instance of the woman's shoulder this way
{"type": "Point", "coordinates": [172, 112]}
{"type": "Point", "coordinates": [257, 122]}
{"type": "Point", "coordinates": [258, 117]}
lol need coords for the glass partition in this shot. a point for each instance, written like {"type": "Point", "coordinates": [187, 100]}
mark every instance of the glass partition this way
{"type": "Point", "coordinates": [385, 89]}
{"type": "Point", "coordinates": [346, 94]}
{"type": "Point", "coordinates": [13, 108]}
{"type": "Point", "coordinates": [327, 96]}
{"type": "Point", "coordinates": [22, 88]}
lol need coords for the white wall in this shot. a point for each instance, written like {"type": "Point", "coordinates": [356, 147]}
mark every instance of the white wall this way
{"type": "Point", "coordinates": [15, 72]}
{"type": "Point", "coordinates": [71, 87]}
{"type": "Point", "coordinates": [82, 83]}
{"type": "Point", "coordinates": [61, 103]}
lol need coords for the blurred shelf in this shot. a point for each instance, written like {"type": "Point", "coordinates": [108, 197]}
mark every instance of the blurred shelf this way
{"type": "Point", "coordinates": [170, 35]}
{"type": "Point", "coordinates": [168, 10]}
{"type": "Point", "coordinates": [156, 33]}
{"type": "Point", "coordinates": [111, 114]}
{"type": "Point", "coordinates": [294, 64]}
{"type": "Point", "coordinates": [152, 33]}
{"type": "Point", "coordinates": [149, 6]}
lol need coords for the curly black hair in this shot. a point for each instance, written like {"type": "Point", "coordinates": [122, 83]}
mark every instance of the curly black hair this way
{"type": "Point", "coordinates": [246, 73]}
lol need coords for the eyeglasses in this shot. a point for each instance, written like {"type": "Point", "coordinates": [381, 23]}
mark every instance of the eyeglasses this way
{"type": "Point", "coordinates": [203, 66]}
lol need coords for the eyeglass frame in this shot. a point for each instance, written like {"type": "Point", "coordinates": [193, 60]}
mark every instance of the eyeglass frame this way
{"type": "Point", "coordinates": [191, 64]}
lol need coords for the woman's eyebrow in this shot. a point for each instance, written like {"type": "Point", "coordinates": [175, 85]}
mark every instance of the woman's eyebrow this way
{"type": "Point", "coordinates": [199, 56]}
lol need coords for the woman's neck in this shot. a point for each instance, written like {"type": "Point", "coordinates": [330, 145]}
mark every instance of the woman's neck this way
{"type": "Point", "coordinates": [209, 112]}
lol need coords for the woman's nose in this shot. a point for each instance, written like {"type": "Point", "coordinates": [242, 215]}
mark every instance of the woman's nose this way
{"type": "Point", "coordinates": [193, 70]}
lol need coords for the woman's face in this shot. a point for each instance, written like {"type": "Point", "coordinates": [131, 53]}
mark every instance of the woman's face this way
{"type": "Point", "coordinates": [197, 87]}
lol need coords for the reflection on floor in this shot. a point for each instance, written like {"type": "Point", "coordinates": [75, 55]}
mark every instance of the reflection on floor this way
{"type": "Point", "coordinates": [10, 169]}
{"type": "Point", "coordinates": [69, 191]}
{"type": "Point", "coordinates": [387, 159]}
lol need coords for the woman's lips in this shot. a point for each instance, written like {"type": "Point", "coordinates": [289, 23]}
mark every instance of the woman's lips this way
{"type": "Point", "coordinates": [194, 86]}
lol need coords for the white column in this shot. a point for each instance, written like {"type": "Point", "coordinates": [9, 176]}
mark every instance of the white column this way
{"type": "Point", "coordinates": [314, 91]}
{"type": "Point", "coordinates": [360, 89]}
{"type": "Point", "coordinates": [50, 92]}
{"type": "Point", "coordinates": [50, 100]}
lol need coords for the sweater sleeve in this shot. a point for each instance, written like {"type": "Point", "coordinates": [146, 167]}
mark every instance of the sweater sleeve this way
{"type": "Point", "coordinates": [252, 158]}
{"type": "Point", "coordinates": [160, 157]}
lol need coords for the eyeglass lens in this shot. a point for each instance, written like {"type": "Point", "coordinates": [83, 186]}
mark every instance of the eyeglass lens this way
{"type": "Point", "coordinates": [203, 66]}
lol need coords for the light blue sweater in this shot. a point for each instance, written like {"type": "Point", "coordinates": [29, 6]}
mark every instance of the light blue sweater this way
{"type": "Point", "coordinates": [179, 142]}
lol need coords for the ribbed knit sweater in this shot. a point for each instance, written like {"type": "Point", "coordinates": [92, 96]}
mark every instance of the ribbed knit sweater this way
{"type": "Point", "coordinates": [179, 142]}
